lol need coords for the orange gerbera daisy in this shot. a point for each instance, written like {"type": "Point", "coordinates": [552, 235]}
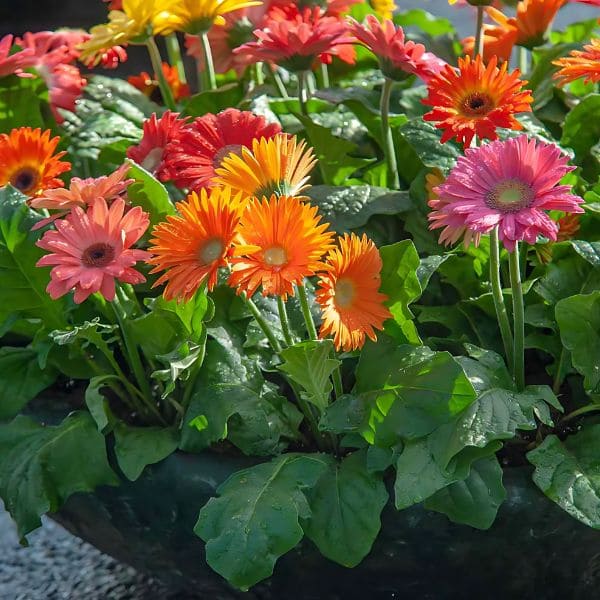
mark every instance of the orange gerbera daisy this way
{"type": "Point", "coordinates": [497, 41]}
{"type": "Point", "coordinates": [191, 246]}
{"type": "Point", "coordinates": [476, 100]}
{"type": "Point", "coordinates": [580, 63]}
{"type": "Point", "coordinates": [349, 293]}
{"type": "Point", "coordinates": [29, 161]}
{"type": "Point", "coordinates": [149, 86]}
{"type": "Point", "coordinates": [277, 165]}
{"type": "Point", "coordinates": [281, 241]}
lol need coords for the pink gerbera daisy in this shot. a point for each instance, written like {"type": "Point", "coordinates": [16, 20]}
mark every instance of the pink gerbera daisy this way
{"type": "Point", "coordinates": [13, 64]}
{"type": "Point", "coordinates": [89, 250]}
{"type": "Point", "coordinates": [201, 147]}
{"type": "Point", "coordinates": [297, 41]}
{"type": "Point", "coordinates": [157, 133]}
{"type": "Point", "coordinates": [506, 184]}
{"type": "Point", "coordinates": [398, 58]}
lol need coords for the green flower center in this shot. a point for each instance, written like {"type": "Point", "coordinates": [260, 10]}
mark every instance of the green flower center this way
{"type": "Point", "coordinates": [276, 256]}
{"type": "Point", "coordinates": [211, 251]}
{"type": "Point", "coordinates": [510, 196]}
{"type": "Point", "coordinates": [344, 292]}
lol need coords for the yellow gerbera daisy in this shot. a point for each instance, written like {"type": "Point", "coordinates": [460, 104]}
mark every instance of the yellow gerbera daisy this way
{"type": "Point", "coordinates": [384, 8]}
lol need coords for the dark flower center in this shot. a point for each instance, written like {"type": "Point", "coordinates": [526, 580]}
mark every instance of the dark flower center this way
{"type": "Point", "coordinates": [98, 255]}
{"type": "Point", "coordinates": [25, 179]}
{"type": "Point", "coordinates": [477, 104]}
{"type": "Point", "coordinates": [510, 196]}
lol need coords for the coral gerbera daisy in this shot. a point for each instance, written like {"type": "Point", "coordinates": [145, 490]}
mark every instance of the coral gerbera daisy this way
{"type": "Point", "coordinates": [299, 41]}
{"type": "Point", "coordinates": [201, 147]}
{"type": "Point", "coordinates": [476, 100]}
{"type": "Point", "coordinates": [510, 185]}
{"type": "Point", "coordinates": [89, 250]}
{"type": "Point", "coordinates": [13, 64]}
{"type": "Point", "coordinates": [580, 63]}
{"type": "Point", "coordinates": [149, 85]}
{"type": "Point", "coordinates": [192, 246]}
{"type": "Point", "coordinates": [277, 166]}
{"type": "Point", "coordinates": [281, 241]}
{"type": "Point", "coordinates": [29, 161]}
{"type": "Point", "coordinates": [398, 57]}
{"type": "Point", "coordinates": [348, 293]}
{"type": "Point", "coordinates": [158, 132]}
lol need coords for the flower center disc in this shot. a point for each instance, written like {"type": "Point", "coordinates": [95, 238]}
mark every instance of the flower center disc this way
{"type": "Point", "coordinates": [98, 255]}
{"type": "Point", "coordinates": [476, 104]}
{"type": "Point", "coordinates": [510, 196]}
{"type": "Point", "coordinates": [226, 151]}
{"type": "Point", "coordinates": [211, 251]}
{"type": "Point", "coordinates": [344, 292]}
{"type": "Point", "coordinates": [276, 256]}
{"type": "Point", "coordinates": [25, 179]}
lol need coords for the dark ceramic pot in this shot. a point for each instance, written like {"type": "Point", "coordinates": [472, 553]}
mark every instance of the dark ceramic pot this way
{"type": "Point", "coordinates": [534, 550]}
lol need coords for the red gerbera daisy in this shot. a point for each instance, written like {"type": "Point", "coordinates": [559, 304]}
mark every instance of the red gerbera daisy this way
{"type": "Point", "coordinates": [158, 132]}
{"type": "Point", "coordinates": [201, 147]}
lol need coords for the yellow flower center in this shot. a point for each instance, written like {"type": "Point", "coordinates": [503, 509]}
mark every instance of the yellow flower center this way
{"type": "Point", "coordinates": [25, 179]}
{"type": "Point", "coordinates": [345, 291]}
{"type": "Point", "coordinates": [211, 251]}
{"type": "Point", "coordinates": [276, 256]}
{"type": "Point", "coordinates": [510, 196]}
{"type": "Point", "coordinates": [98, 255]}
{"type": "Point", "coordinates": [476, 104]}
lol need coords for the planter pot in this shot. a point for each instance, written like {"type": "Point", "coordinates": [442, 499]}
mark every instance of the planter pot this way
{"type": "Point", "coordinates": [533, 550]}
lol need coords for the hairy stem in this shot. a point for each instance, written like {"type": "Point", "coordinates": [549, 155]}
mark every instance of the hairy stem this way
{"type": "Point", "coordinates": [519, 319]}
{"type": "Point", "coordinates": [386, 134]}
{"type": "Point", "coordinates": [156, 60]}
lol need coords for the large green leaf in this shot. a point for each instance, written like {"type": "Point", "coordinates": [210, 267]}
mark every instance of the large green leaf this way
{"type": "Point", "coordinates": [568, 472]}
{"type": "Point", "coordinates": [213, 101]}
{"type": "Point", "coordinates": [581, 132]}
{"type": "Point", "coordinates": [23, 102]}
{"type": "Point", "coordinates": [149, 193]}
{"type": "Point", "coordinates": [346, 504]}
{"type": "Point", "coordinates": [256, 518]}
{"type": "Point", "coordinates": [475, 500]}
{"type": "Point", "coordinates": [21, 379]}
{"type": "Point", "coordinates": [310, 365]}
{"type": "Point", "coordinates": [41, 466]}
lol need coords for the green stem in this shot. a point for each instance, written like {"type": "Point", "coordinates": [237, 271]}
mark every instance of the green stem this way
{"type": "Point", "coordinates": [523, 60]}
{"type": "Point", "coordinates": [580, 411]}
{"type": "Point", "coordinates": [386, 133]}
{"type": "Point", "coordinates": [311, 419]}
{"type": "Point", "coordinates": [259, 77]}
{"type": "Point", "coordinates": [174, 53]}
{"type": "Point", "coordinates": [302, 92]}
{"type": "Point", "coordinates": [338, 387]}
{"type": "Point", "coordinates": [558, 376]}
{"type": "Point", "coordinates": [478, 47]}
{"type": "Point", "coordinates": [156, 60]}
{"type": "Point", "coordinates": [208, 61]}
{"type": "Point", "coordinates": [519, 318]}
{"type": "Point", "coordinates": [308, 318]}
{"type": "Point", "coordinates": [278, 82]}
{"type": "Point", "coordinates": [498, 297]}
{"type": "Point", "coordinates": [285, 323]}
{"type": "Point", "coordinates": [324, 76]}
{"type": "Point", "coordinates": [191, 380]}
{"type": "Point", "coordinates": [262, 323]}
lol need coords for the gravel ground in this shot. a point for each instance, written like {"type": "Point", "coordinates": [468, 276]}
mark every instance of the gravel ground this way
{"type": "Point", "coordinates": [59, 566]}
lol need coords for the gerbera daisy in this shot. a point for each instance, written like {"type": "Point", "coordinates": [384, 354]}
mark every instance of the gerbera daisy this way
{"type": "Point", "coordinates": [281, 241]}
{"type": "Point", "coordinates": [29, 161]}
{"type": "Point", "coordinates": [277, 166]}
{"type": "Point", "coordinates": [330, 8]}
{"type": "Point", "coordinates": [201, 147]}
{"type": "Point", "coordinates": [149, 85]}
{"type": "Point", "coordinates": [476, 100]}
{"type": "Point", "coordinates": [510, 185]}
{"type": "Point", "coordinates": [297, 43]}
{"type": "Point", "coordinates": [497, 41]}
{"type": "Point", "coordinates": [580, 63]}
{"type": "Point", "coordinates": [158, 132]}
{"type": "Point", "coordinates": [397, 57]}
{"type": "Point", "coordinates": [348, 293]}
{"type": "Point", "coordinates": [89, 250]}
{"type": "Point", "coordinates": [192, 246]}
{"type": "Point", "coordinates": [13, 64]}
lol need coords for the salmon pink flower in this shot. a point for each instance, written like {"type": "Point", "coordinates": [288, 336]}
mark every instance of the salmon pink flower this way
{"type": "Point", "coordinates": [191, 161]}
{"type": "Point", "coordinates": [580, 63]}
{"type": "Point", "coordinates": [13, 64]}
{"type": "Point", "coordinates": [509, 185]}
{"type": "Point", "coordinates": [398, 58]}
{"type": "Point", "coordinates": [89, 250]}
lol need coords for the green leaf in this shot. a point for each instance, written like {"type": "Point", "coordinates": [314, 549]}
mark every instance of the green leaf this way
{"type": "Point", "coordinates": [41, 466]}
{"type": "Point", "coordinates": [346, 505]}
{"type": "Point", "coordinates": [23, 103]}
{"type": "Point", "coordinates": [400, 283]}
{"type": "Point", "coordinates": [97, 403]}
{"type": "Point", "coordinates": [424, 21]}
{"type": "Point", "coordinates": [213, 101]}
{"type": "Point", "coordinates": [475, 500]}
{"type": "Point", "coordinates": [21, 379]}
{"type": "Point", "coordinates": [424, 138]}
{"type": "Point", "coordinates": [138, 447]}
{"type": "Point", "coordinates": [256, 518]}
{"type": "Point", "coordinates": [310, 365]}
{"type": "Point", "coordinates": [149, 193]}
{"type": "Point", "coordinates": [568, 472]}
{"type": "Point", "coordinates": [589, 251]}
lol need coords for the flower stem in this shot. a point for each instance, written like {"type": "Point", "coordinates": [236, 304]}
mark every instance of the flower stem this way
{"type": "Point", "coordinates": [262, 323]}
{"type": "Point", "coordinates": [285, 323]}
{"type": "Point", "coordinates": [580, 411]}
{"type": "Point", "coordinates": [302, 92]}
{"type": "Point", "coordinates": [278, 82]}
{"type": "Point", "coordinates": [523, 60]}
{"type": "Point", "coordinates": [499, 305]}
{"type": "Point", "coordinates": [324, 76]}
{"type": "Point", "coordinates": [308, 318]}
{"type": "Point", "coordinates": [174, 52]}
{"type": "Point", "coordinates": [478, 47]}
{"type": "Point", "coordinates": [519, 318]}
{"type": "Point", "coordinates": [208, 61]}
{"type": "Point", "coordinates": [259, 78]}
{"type": "Point", "coordinates": [386, 133]}
{"type": "Point", "coordinates": [156, 60]}
{"type": "Point", "coordinates": [338, 387]}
